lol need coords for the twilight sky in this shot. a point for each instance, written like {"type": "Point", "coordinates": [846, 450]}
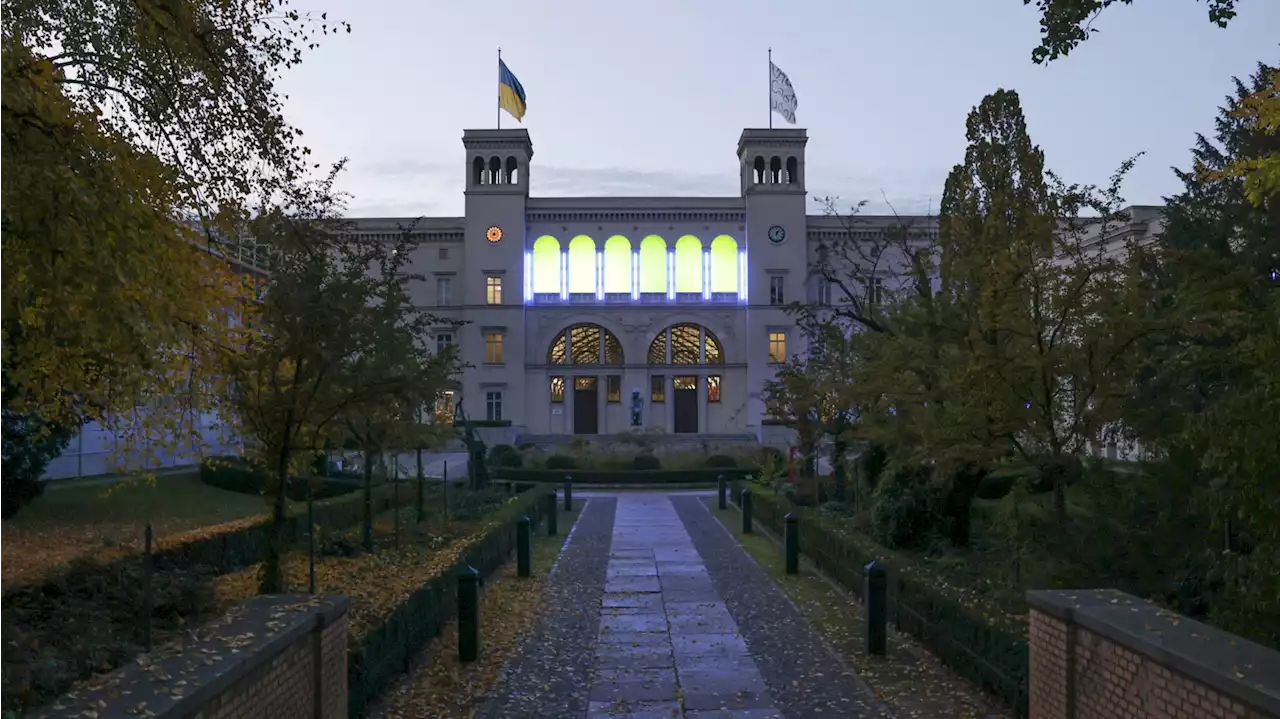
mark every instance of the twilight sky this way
{"type": "Point", "coordinates": [649, 98]}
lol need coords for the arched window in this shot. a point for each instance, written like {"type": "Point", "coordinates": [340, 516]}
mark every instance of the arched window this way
{"type": "Point", "coordinates": [686, 344]}
{"type": "Point", "coordinates": [546, 265]}
{"type": "Point", "coordinates": [495, 171]}
{"type": "Point", "coordinates": [513, 171]}
{"type": "Point", "coordinates": [653, 264]}
{"type": "Point", "coordinates": [793, 176]}
{"type": "Point", "coordinates": [617, 264]}
{"type": "Point", "coordinates": [582, 265]}
{"type": "Point", "coordinates": [585, 344]}
{"type": "Point", "coordinates": [758, 170]}
{"type": "Point", "coordinates": [688, 264]}
{"type": "Point", "coordinates": [477, 171]}
{"type": "Point", "coordinates": [775, 170]}
{"type": "Point", "coordinates": [724, 264]}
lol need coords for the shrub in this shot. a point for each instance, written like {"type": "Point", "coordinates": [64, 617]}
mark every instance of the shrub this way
{"type": "Point", "coordinates": [526, 446]}
{"type": "Point", "coordinates": [504, 455]}
{"type": "Point", "coordinates": [721, 460]}
{"type": "Point", "coordinates": [996, 485]}
{"type": "Point", "coordinates": [235, 474]}
{"type": "Point", "coordinates": [561, 461]}
{"type": "Point", "coordinates": [772, 454]}
{"type": "Point", "coordinates": [646, 462]}
{"type": "Point", "coordinates": [903, 508]}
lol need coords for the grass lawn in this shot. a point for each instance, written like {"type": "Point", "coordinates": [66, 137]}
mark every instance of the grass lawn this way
{"type": "Point", "coordinates": [69, 522]}
{"type": "Point", "coordinates": [908, 678]}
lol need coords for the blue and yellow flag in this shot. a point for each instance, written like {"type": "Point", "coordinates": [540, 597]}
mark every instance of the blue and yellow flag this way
{"type": "Point", "coordinates": [510, 92]}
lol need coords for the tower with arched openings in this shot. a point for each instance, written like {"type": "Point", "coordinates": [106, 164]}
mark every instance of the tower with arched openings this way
{"type": "Point", "coordinates": [598, 315]}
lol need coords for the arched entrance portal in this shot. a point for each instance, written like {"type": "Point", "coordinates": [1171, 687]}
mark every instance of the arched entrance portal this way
{"type": "Point", "coordinates": [587, 346]}
{"type": "Point", "coordinates": [678, 347]}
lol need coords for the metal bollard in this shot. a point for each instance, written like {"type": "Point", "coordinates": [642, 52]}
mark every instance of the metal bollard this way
{"type": "Point", "coordinates": [552, 519]}
{"type": "Point", "coordinates": [524, 552]}
{"type": "Point", "coordinates": [791, 542]}
{"type": "Point", "coordinates": [468, 615]}
{"type": "Point", "coordinates": [746, 510]}
{"type": "Point", "coordinates": [877, 585]}
{"type": "Point", "coordinates": [724, 492]}
{"type": "Point", "coordinates": [568, 493]}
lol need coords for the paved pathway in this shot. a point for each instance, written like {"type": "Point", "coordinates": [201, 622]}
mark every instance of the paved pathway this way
{"type": "Point", "coordinates": [657, 612]}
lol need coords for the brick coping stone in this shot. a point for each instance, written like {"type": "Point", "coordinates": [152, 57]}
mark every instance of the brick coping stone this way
{"type": "Point", "coordinates": [1203, 653]}
{"type": "Point", "coordinates": [177, 679]}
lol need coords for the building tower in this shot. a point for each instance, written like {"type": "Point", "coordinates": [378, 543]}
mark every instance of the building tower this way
{"type": "Point", "coordinates": [497, 167]}
{"type": "Point", "coordinates": [771, 164]}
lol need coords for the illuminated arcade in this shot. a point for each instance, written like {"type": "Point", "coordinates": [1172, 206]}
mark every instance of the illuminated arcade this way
{"type": "Point", "coordinates": [603, 315]}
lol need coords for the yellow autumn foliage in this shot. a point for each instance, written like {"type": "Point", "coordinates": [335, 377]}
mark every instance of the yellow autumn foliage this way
{"type": "Point", "coordinates": [113, 305]}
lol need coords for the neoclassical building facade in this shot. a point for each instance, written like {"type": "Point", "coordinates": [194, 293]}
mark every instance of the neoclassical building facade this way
{"type": "Point", "coordinates": [601, 315]}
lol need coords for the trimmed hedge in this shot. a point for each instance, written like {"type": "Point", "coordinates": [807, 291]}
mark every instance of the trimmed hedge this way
{"type": "Point", "coordinates": [697, 475]}
{"type": "Point", "coordinates": [991, 656]}
{"type": "Point", "coordinates": [234, 474]}
{"type": "Point", "coordinates": [388, 650]}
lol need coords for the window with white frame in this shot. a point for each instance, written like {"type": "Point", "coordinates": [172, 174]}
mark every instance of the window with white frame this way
{"type": "Point", "coordinates": [493, 406]}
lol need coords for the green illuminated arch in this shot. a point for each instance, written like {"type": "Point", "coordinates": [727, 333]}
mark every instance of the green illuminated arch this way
{"type": "Point", "coordinates": [724, 264]}
{"type": "Point", "coordinates": [582, 264]}
{"type": "Point", "coordinates": [617, 264]}
{"type": "Point", "coordinates": [653, 264]}
{"type": "Point", "coordinates": [546, 264]}
{"type": "Point", "coordinates": [688, 264]}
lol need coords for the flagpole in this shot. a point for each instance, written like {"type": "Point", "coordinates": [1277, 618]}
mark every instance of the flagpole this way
{"type": "Point", "coordinates": [499, 88]}
{"type": "Point", "coordinates": [770, 88]}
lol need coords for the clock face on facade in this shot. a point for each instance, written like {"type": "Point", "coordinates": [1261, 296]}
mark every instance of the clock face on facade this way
{"type": "Point", "coordinates": [777, 234]}
{"type": "Point", "coordinates": [493, 234]}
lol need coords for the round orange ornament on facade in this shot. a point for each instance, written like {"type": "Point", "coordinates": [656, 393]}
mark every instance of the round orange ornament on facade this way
{"type": "Point", "coordinates": [493, 234]}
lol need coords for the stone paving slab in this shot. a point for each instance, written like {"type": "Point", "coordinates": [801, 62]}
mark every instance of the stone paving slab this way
{"type": "Point", "coordinates": [806, 677]}
{"type": "Point", "coordinates": [551, 675]}
{"type": "Point", "coordinates": [668, 646]}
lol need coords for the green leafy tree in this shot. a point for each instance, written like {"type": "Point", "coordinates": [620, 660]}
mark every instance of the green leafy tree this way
{"type": "Point", "coordinates": [396, 357]}
{"type": "Point", "coordinates": [1064, 24]}
{"type": "Point", "coordinates": [1052, 316]}
{"type": "Point", "coordinates": [318, 312]}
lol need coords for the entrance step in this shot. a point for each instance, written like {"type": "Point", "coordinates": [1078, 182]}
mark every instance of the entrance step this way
{"type": "Point", "coordinates": [551, 441]}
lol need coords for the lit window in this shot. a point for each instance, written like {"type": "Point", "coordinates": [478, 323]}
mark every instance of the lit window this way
{"type": "Point", "coordinates": [493, 347]}
{"type": "Point", "coordinates": [443, 341]}
{"type": "Point", "coordinates": [777, 347]}
{"type": "Point", "coordinates": [777, 291]}
{"type": "Point", "coordinates": [444, 408]}
{"type": "Point", "coordinates": [657, 388]}
{"type": "Point", "coordinates": [613, 388]}
{"type": "Point", "coordinates": [713, 388]}
{"type": "Point", "coordinates": [493, 290]}
{"type": "Point", "coordinates": [557, 389]}
{"type": "Point", "coordinates": [444, 291]}
{"type": "Point", "coordinates": [493, 406]}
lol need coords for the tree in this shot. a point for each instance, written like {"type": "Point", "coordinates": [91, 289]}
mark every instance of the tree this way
{"type": "Point", "coordinates": [30, 443]}
{"type": "Point", "coordinates": [1052, 316]}
{"type": "Point", "coordinates": [1064, 24]}
{"type": "Point", "coordinates": [318, 309]}
{"type": "Point", "coordinates": [193, 79]}
{"type": "Point", "coordinates": [1219, 253]}
{"type": "Point", "coordinates": [109, 303]}
{"type": "Point", "coordinates": [394, 354]}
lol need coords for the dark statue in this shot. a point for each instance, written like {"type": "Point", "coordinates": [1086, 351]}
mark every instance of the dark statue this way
{"type": "Point", "coordinates": [477, 473]}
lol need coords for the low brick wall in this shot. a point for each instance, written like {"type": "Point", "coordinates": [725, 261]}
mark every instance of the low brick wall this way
{"type": "Point", "coordinates": [272, 657]}
{"type": "Point", "coordinates": [1102, 654]}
